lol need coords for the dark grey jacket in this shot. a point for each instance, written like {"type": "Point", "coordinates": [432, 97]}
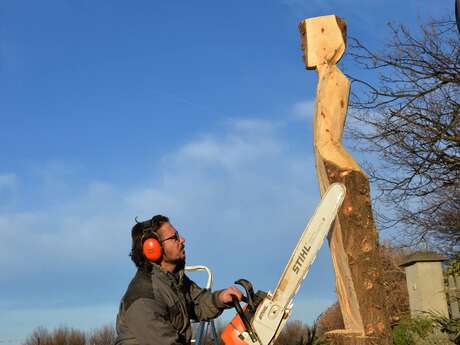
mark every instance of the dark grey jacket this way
{"type": "Point", "coordinates": [157, 308]}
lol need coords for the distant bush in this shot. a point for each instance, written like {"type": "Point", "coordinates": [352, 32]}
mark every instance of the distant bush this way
{"type": "Point", "coordinates": [71, 336]}
{"type": "Point", "coordinates": [435, 337]}
{"type": "Point", "coordinates": [448, 326]}
{"type": "Point", "coordinates": [403, 333]}
{"type": "Point", "coordinates": [423, 330]}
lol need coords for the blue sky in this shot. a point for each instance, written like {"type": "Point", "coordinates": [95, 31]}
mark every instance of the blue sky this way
{"type": "Point", "coordinates": [198, 110]}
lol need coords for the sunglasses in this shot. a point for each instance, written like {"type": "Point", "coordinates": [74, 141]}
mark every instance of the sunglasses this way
{"type": "Point", "coordinates": [175, 237]}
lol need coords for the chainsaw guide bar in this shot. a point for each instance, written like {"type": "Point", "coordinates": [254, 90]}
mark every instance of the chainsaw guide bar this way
{"type": "Point", "coordinates": [272, 313]}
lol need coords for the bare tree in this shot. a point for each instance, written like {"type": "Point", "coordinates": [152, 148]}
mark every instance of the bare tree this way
{"type": "Point", "coordinates": [39, 336]}
{"type": "Point", "coordinates": [394, 281]}
{"type": "Point", "coordinates": [71, 336]}
{"type": "Point", "coordinates": [410, 119]}
{"type": "Point", "coordinates": [295, 333]}
{"type": "Point", "coordinates": [75, 337]}
{"type": "Point", "coordinates": [59, 336]}
{"type": "Point", "coordinates": [105, 335]}
{"type": "Point", "coordinates": [331, 319]}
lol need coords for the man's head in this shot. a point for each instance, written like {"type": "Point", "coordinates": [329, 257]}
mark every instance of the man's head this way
{"type": "Point", "coordinates": [173, 245]}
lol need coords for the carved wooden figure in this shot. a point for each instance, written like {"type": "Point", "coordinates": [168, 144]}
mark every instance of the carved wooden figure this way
{"type": "Point", "coordinates": [353, 240]}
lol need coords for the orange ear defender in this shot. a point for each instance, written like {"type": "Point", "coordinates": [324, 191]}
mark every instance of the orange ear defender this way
{"type": "Point", "coordinates": [151, 244]}
{"type": "Point", "coordinates": [152, 249]}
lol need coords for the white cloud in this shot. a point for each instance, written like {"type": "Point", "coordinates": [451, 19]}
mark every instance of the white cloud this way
{"type": "Point", "coordinates": [257, 125]}
{"type": "Point", "coordinates": [303, 109]}
{"type": "Point", "coordinates": [231, 152]}
{"type": "Point", "coordinates": [242, 194]}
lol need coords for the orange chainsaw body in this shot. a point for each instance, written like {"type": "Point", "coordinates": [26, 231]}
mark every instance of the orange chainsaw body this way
{"type": "Point", "coordinates": [233, 332]}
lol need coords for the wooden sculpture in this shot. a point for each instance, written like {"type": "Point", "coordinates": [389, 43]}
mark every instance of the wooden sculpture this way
{"type": "Point", "coordinates": [353, 240]}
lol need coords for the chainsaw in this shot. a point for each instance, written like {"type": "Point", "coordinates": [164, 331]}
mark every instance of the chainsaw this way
{"type": "Point", "coordinates": [263, 317]}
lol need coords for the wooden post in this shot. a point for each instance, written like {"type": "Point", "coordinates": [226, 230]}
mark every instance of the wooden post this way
{"type": "Point", "coordinates": [354, 240]}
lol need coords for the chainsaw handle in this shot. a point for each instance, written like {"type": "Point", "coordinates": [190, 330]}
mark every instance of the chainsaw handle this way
{"type": "Point", "coordinates": [243, 318]}
{"type": "Point", "coordinates": [247, 286]}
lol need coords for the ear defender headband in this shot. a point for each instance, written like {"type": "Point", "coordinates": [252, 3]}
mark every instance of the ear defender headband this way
{"type": "Point", "coordinates": [151, 244]}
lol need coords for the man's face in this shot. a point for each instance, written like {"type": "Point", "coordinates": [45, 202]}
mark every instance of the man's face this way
{"type": "Point", "coordinates": [173, 244]}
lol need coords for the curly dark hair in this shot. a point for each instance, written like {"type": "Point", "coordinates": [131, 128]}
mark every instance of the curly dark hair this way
{"type": "Point", "coordinates": [138, 238]}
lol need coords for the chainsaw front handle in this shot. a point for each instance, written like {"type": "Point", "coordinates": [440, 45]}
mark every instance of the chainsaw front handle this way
{"type": "Point", "coordinates": [244, 319]}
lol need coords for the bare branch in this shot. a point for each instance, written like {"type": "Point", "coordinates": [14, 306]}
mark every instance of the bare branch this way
{"type": "Point", "coordinates": [410, 118]}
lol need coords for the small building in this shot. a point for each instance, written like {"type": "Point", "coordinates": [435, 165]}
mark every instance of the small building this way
{"type": "Point", "coordinates": [425, 283]}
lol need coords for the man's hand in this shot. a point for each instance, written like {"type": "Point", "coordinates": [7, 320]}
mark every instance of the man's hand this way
{"type": "Point", "coordinates": [226, 295]}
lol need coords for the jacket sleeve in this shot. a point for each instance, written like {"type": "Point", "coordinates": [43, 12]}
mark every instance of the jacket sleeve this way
{"type": "Point", "coordinates": [149, 323]}
{"type": "Point", "coordinates": [206, 304]}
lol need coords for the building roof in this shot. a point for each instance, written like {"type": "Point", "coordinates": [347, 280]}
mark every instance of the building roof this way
{"type": "Point", "coordinates": [422, 257]}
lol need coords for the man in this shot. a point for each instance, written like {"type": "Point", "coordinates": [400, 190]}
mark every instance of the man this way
{"type": "Point", "coordinates": [160, 300]}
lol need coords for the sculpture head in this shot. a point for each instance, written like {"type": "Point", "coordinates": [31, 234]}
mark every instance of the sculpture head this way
{"type": "Point", "coordinates": [323, 40]}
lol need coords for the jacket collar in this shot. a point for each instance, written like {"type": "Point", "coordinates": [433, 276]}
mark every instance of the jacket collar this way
{"type": "Point", "coordinates": [174, 278]}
